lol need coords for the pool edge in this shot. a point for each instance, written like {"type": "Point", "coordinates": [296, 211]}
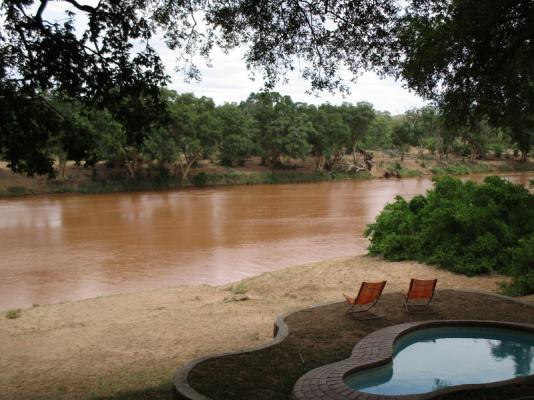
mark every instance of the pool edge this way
{"type": "Point", "coordinates": [376, 349]}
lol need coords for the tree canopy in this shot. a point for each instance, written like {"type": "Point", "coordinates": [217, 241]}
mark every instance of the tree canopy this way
{"type": "Point", "coordinates": [474, 59]}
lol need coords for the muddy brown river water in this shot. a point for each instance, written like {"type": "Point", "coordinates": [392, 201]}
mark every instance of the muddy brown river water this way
{"type": "Point", "coordinates": [60, 248]}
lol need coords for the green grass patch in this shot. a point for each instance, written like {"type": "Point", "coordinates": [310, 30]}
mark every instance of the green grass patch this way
{"type": "Point", "coordinates": [13, 314]}
{"type": "Point", "coordinates": [461, 169]}
{"type": "Point", "coordinates": [239, 288]}
{"type": "Point", "coordinates": [408, 173]}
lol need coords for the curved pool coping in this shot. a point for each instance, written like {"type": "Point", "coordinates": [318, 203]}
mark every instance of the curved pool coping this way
{"type": "Point", "coordinates": [182, 390]}
{"type": "Point", "coordinates": [376, 349]}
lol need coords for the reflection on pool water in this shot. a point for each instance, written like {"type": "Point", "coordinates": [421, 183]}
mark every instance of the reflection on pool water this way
{"type": "Point", "coordinates": [431, 359]}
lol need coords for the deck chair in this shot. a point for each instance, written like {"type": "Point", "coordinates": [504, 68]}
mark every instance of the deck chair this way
{"type": "Point", "coordinates": [366, 299]}
{"type": "Point", "coordinates": [420, 295]}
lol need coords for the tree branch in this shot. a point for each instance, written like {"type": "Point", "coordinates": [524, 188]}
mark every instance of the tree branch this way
{"type": "Point", "coordinates": [82, 7]}
{"type": "Point", "coordinates": [40, 10]}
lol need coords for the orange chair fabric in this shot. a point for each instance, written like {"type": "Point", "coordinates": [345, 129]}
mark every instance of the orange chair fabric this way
{"type": "Point", "coordinates": [367, 296]}
{"type": "Point", "coordinates": [421, 289]}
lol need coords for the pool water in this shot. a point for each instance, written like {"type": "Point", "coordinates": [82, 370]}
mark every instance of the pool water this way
{"type": "Point", "coordinates": [435, 358]}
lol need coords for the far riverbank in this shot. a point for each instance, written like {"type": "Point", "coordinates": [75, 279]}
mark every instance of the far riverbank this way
{"type": "Point", "coordinates": [101, 179]}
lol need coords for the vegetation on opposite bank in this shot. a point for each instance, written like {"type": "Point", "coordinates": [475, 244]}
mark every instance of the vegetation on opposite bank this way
{"type": "Point", "coordinates": [465, 227]}
{"type": "Point", "coordinates": [201, 179]}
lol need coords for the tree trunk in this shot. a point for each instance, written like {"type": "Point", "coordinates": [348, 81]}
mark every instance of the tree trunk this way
{"type": "Point", "coordinates": [320, 163]}
{"type": "Point", "coordinates": [524, 156]}
{"type": "Point", "coordinates": [185, 167]}
{"type": "Point", "coordinates": [130, 163]}
{"type": "Point", "coordinates": [62, 167]}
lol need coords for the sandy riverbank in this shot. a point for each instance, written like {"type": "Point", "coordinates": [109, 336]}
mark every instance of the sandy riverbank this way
{"type": "Point", "coordinates": [128, 342]}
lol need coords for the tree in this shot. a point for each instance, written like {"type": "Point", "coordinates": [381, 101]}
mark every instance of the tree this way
{"type": "Point", "coordinates": [476, 136]}
{"type": "Point", "coordinates": [402, 136]}
{"type": "Point", "coordinates": [194, 127]}
{"type": "Point", "coordinates": [475, 58]}
{"type": "Point", "coordinates": [330, 136]}
{"type": "Point", "coordinates": [281, 128]}
{"type": "Point", "coordinates": [471, 57]}
{"type": "Point", "coordinates": [379, 134]}
{"type": "Point", "coordinates": [358, 118]}
{"type": "Point", "coordinates": [237, 142]}
{"type": "Point", "coordinates": [99, 65]}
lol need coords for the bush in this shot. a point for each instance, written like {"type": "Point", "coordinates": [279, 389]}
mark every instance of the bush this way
{"type": "Point", "coordinates": [465, 227]}
{"type": "Point", "coordinates": [13, 314]}
{"type": "Point", "coordinates": [522, 268]}
{"type": "Point", "coordinates": [498, 149]}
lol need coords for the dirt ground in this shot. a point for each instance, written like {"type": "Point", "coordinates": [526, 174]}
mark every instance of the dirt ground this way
{"type": "Point", "coordinates": [128, 342]}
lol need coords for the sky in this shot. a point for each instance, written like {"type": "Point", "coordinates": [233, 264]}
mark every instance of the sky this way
{"type": "Point", "coordinates": [228, 80]}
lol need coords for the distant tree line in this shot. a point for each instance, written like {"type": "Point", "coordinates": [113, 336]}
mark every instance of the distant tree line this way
{"type": "Point", "coordinates": [266, 124]}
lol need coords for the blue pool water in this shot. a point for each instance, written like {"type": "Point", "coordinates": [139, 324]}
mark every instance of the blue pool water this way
{"type": "Point", "coordinates": [431, 359]}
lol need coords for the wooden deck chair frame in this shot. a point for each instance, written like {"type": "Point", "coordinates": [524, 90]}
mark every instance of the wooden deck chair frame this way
{"type": "Point", "coordinates": [424, 308]}
{"type": "Point", "coordinates": [359, 307]}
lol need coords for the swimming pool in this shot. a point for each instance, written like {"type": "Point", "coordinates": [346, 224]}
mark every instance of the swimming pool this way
{"type": "Point", "coordinates": [434, 358]}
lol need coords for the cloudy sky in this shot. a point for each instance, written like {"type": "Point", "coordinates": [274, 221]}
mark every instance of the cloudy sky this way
{"type": "Point", "coordinates": [227, 80]}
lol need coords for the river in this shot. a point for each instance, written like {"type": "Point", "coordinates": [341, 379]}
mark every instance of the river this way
{"type": "Point", "coordinates": [69, 247]}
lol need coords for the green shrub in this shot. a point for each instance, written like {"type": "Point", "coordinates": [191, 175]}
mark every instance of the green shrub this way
{"type": "Point", "coordinates": [13, 314]}
{"type": "Point", "coordinates": [498, 149]}
{"type": "Point", "coordinates": [465, 227]}
{"type": "Point", "coordinates": [460, 169]}
{"type": "Point", "coordinates": [407, 172]}
{"type": "Point", "coordinates": [200, 179]}
{"type": "Point", "coordinates": [239, 288]}
{"type": "Point", "coordinates": [521, 268]}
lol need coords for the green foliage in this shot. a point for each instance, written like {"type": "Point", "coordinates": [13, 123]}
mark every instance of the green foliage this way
{"type": "Point", "coordinates": [237, 136]}
{"type": "Point", "coordinates": [329, 137]}
{"type": "Point", "coordinates": [358, 118]}
{"type": "Point", "coordinates": [239, 288]}
{"type": "Point", "coordinates": [446, 46]}
{"type": "Point", "coordinates": [282, 129]}
{"type": "Point", "coordinates": [522, 268]}
{"type": "Point", "coordinates": [460, 169]}
{"type": "Point", "coordinates": [465, 227]}
{"type": "Point", "coordinates": [13, 314]}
